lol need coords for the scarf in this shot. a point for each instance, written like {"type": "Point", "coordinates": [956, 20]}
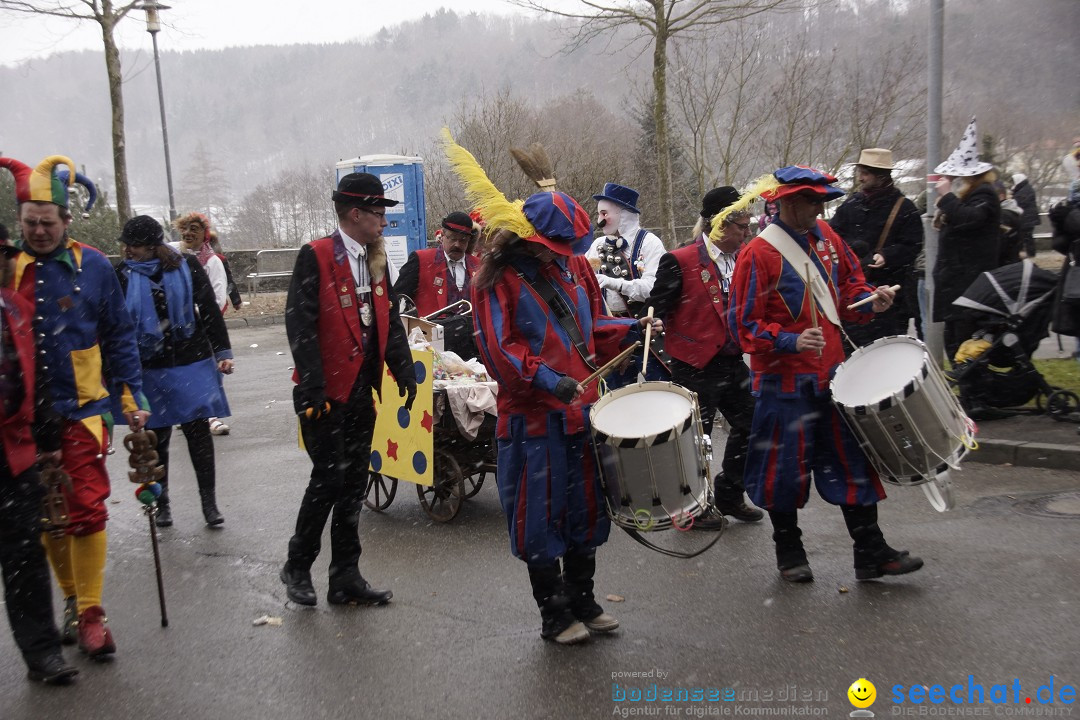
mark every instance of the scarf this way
{"type": "Point", "coordinates": [140, 303]}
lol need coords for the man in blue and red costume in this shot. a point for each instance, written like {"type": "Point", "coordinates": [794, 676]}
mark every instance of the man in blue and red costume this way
{"type": "Point", "coordinates": [538, 351]}
{"type": "Point", "coordinates": [83, 328]}
{"type": "Point", "coordinates": [691, 295]}
{"type": "Point", "coordinates": [792, 334]}
{"type": "Point", "coordinates": [439, 276]}
{"type": "Point", "coordinates": [342, 320]}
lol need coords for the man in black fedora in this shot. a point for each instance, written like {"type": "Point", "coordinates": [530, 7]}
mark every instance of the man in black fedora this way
{"type": "Point", "coordinates": [439, 276]}
{"type": "Point", "coordinates": [691, 296]}
{"type": "Point", "coordinates": [626, 256]}
{"type": "Point", "coordinates": [342, 321]}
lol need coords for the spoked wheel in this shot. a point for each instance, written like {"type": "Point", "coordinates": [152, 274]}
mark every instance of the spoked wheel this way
{"type": "Point", "coordinates": [1063, 405]}
{"type": "Point", "coordinates": [380, 491]}
{"type": "Point", "coordinates": [473, 483]}
{"type": "Point", "coordinates": [442, 500]}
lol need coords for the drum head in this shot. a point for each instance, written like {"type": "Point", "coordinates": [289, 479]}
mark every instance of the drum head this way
{"type": "Point", "coordinates": [878, 371]}
{"type": "Point", "coordinates": [648, 412]}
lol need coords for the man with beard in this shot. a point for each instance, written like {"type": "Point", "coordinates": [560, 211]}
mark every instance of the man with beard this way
{"type": "Point", "coordinates": [883, 228]}
{"type": "Point", "coordinates": [440, 276]}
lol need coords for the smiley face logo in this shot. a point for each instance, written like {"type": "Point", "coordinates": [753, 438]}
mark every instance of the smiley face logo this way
{"type": "Point", "coordinates": [862, 693]}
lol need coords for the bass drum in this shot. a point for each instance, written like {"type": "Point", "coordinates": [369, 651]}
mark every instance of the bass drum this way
{"type": "Point", "coordinates": [652, 457]}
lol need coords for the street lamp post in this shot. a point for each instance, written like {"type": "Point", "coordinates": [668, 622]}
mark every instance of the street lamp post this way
{"type": "Point", "coordinates": [153, 26]}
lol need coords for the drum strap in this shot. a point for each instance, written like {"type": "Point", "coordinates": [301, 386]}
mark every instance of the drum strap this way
{"type": "Point", "coordinates": [797, 257]}
{"type": "Point", "coordinates": [563, 313]}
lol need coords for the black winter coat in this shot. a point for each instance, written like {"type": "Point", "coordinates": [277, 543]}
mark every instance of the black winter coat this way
{"type": "Point", "coordinates": [860, 221]}
{"type": "Point", "coordinates": [1024, 195]}
{"type": "Point", "coordinates": [967, 245]}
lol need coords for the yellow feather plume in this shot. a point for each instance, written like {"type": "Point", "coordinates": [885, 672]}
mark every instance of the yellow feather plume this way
{"type": "Point", "coordinates": [763, 184]}
{"type": "Point", "coordinates": [498, 212]}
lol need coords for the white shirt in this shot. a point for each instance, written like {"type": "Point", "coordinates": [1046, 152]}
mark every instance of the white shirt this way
{"type": "Point", "coordinates": [725, 263]}
{"type": "Point", "coordinates": [215, 270]}
{"type": "Point", "coordinates": [652, 248]}
{"type": "Point", "coordinates": [457, 267]}
{"type": "Point", "coordinates": [355, 251]}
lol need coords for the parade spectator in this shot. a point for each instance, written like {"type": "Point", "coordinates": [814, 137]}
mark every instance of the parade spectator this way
{"type": "Point", "coordinates": [184, 348]}
{"type": "Point", "coordinates": [342, 320]}
{"type": "Point", "coordinates": [231, 288]}
{"type": "Point", "coordinates": [84, 329]}
{"type": "Point", "coordinates": [968, 217]}
{"type": "Point", "coordinates": [884, 230]}
{"type": "Point", "coordinates": [797, 432]}
{"type": "Point", "coordinates": [1010, 240]}
{"type": "Point", "coordinates": [1024, 195]}
{"type": "Point", "coordinates": [691, 296]}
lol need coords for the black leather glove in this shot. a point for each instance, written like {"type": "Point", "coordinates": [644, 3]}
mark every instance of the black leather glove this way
{"type": "Point", "coordinates": [311, 404]}
{"type": "Point", "coordinates": [565, 389]}
{"type": "Point", "coordinates": [407, 386]}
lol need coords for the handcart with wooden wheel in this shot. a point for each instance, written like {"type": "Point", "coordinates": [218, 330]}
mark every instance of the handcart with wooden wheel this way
{"type": "Point", "coordinates": [461, 451]}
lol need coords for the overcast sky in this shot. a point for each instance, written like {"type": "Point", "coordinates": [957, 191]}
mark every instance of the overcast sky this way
{"type": "Point", "coordinates": [196, 24]}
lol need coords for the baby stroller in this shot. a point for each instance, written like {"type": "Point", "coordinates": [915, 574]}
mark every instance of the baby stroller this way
{"type": "Point", "coordinates": [1011, 307]}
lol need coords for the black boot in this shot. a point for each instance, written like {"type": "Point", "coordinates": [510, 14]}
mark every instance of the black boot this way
{"type": "Point", "coordinates": [578, 571]}
{"type": "Point", "coordinates": [559, 624]}
{"type": "Point", "coordinates": [730, 500]}
{"type": "Point", "coordinates": [298, 586]}
{"type": "Point", "coordinates": [50, 669]}
{"type": "Point", "coordinates": [164, 513]}
{"type": "Point", "coordinates": [209, 507]}
{"type": "Point", "coordinates": [873, 556]}
{"type": "Point", "coordinates": [790, 555]}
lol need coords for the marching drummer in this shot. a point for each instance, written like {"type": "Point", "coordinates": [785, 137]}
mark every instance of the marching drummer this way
{"type": "Point", "coordinates": [790, 291]}
{"type": "Point", "coordinates": [439, 276]}
{"type": "Point", "coordinates": [537, 312]}
{"type": "Point", "coordinates": [691, 295]}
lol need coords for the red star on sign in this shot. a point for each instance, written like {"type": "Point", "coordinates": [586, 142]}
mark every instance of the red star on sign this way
{"type": "Point", "coordinates": [426, 421]}
{"type": "Point", "coordinates": [391, 449]}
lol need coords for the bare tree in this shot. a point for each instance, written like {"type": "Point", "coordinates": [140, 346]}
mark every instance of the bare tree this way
{"type": "Point", "coordinates": [657, 23]}
{"type": "Point", "coordinates": [106, 14]}
{"type": "Point", "coordinates": [204, 185]}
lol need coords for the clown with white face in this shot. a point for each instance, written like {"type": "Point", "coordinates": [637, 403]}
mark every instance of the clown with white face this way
{"type": "Point", "coordinates": [626, 256]}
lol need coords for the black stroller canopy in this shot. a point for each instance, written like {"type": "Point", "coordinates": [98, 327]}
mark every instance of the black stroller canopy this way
{"type": "Point", "coordinates": [1012, 290]}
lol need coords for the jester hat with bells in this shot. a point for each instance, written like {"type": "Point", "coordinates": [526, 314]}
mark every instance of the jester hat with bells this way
{"type": "Point", "coordinates": [774, 186]}
{"type": "Point", "coordinates": [553, 219]}
{"type": "Point", "coordinates": [46, 184]}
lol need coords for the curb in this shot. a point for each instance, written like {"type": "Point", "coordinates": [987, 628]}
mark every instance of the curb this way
{"type": "Point", "coordinates": [259, 321]}
{"type": "Point", "coordinates": [1027, 454]}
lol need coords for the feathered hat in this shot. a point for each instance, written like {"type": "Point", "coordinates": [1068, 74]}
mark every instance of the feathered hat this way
{"type": "Point", "coordinates": [91, 191]}
{"type": "Point", "coordinates": [553, 219]}
{"type": "Point", "coordinates": [41, 184]}
{"type": "Point", "coordinates": [964, 161]}
{"type": "Point", "coordinates": [785, 181]}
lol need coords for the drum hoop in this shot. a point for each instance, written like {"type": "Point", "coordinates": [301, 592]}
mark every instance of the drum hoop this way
{"type": "Point", "coordinates": [909, 388]}
{"type": "Point", "coordinates": [648, 440]}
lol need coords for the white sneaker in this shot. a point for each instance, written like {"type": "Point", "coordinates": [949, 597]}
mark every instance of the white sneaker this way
{"type": "Point", "coordinates": [602, 623]}
{"type": "Point", "coordinates": [217, 427]}
{"type": "Point", "coordinates": [572, 635]}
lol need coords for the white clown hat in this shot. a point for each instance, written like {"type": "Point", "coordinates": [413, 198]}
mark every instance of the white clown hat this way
{"type": "Point", "coordinates": [964, 161]}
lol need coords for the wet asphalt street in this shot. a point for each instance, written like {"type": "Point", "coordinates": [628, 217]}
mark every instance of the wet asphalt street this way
{"type": "Point", "coordinates": [998, 600]}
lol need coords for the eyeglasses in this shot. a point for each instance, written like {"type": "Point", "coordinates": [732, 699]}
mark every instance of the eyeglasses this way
{"type": "Point", "coordinates": [742, 226]}
{"type": "Point", "coordinates": [371, 212]}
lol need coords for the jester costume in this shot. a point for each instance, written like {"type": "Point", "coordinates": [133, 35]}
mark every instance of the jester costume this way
{"type": "Point", "coordinates": [797, 432]}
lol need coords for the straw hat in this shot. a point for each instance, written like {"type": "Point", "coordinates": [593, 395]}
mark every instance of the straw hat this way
{"type": "Point", "coordinates": [879, 158]}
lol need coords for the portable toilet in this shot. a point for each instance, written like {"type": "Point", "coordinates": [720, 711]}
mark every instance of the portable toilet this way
{"type": "Point", "coordinates": [403, 180]}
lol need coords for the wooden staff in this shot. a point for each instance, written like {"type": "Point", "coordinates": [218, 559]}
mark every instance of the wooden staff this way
{"type": "Point", "coordinates": [606, 367]}
{"type": "Point", "coordinates": [813, 301]}
{"type": "Point", "coordinates": [648, 342]}
{"type": "Point", "coordinates": [870, 298]}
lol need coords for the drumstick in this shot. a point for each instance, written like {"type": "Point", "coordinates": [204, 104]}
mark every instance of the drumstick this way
{"type": "Point", "coordinates": [870, 298]}
{"type": "Point", "coordinates": [813, 302]}
{"type": "Point", "coordinates": [603, 369]}
{"type": "Point", "coordinates": [648, 341]}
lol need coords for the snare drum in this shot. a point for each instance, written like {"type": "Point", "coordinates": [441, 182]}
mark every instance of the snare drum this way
{"type": "Point", "coordinates": [652, 456]}
{"type": "Point", "coordinates": [906, 419]}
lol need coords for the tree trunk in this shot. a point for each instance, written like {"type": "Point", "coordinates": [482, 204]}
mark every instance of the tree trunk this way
{"type": "Point", "coordinates": [663, 147]}
{"type": "Point", "coordinates": [112, 67]}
